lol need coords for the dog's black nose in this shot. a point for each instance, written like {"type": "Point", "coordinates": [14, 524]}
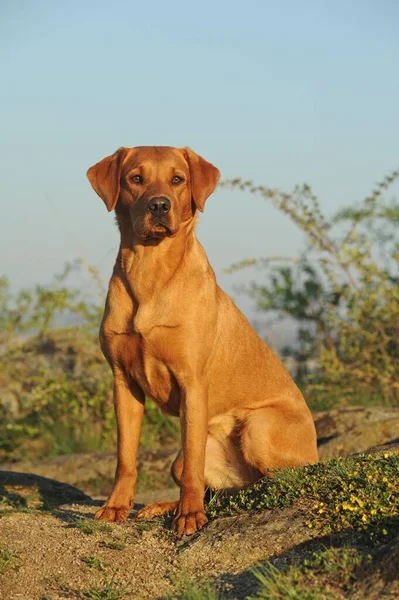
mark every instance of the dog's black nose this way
{"type": "Point", "coordinates": [159, 206]}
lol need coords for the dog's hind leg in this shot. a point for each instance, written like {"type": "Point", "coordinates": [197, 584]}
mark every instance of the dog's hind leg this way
{"type": "Point", "coordinates": [152, 511]}
{"type": "Point", "coordinates": [225, 465]}
{"type": "Point", "coordinates": [272, 439]}
{"type": "Point", "coordinates": [157, 509]}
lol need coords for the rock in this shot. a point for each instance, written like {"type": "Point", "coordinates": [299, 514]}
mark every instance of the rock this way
{"type": "Point", "coordinates": [345, 431]}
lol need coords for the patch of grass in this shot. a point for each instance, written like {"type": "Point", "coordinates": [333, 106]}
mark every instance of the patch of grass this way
{"type": "Point", "coordinates": [162, 524]}
{"type": "Point", "coordinates": [276, 585]}
{"type": "Point", "coordinates": [90, 527]}
{"type": "Point", "coordinates": [93, 562]}
{"type": "Point", "coordinates": [326, 575]}
{"type": "Point", "coordinates": [358, 493]}
{"type": "Point", "coordinates": [8, 512]}
{"type": "Point", "coordinates": [8, 559]}
{"type": "Point", "coordinates": [339, 565]}
{"type": "Point", "coordinates": [113, 545]}
{"type": "Point", "coordinates": [142, 526]}
{"type": "Point", "coordinates": [110, 590]}
{"type": "Point", "coordinates": [148, 524]}
{"type": "Point", "coordinates": [188, 589]}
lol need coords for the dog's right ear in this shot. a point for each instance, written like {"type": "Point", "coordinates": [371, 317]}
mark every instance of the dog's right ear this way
{"type": "Point", "coordinates": [105, 177]}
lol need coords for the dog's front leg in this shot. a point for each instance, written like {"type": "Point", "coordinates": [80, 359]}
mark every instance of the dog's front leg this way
{"type": "Point", "coordinates": [190, 515]}
{"type": "Point", "coordinates": [129, 409]}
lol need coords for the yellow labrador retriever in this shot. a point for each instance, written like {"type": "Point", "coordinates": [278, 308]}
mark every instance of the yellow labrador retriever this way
{"type": "Point", "coordinates": [170, 333]}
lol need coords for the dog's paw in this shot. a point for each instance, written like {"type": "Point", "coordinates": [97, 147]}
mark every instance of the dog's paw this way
{"type": "Point", "coordinates": [113, 514]}
{"type": "Point", "coordinates": [151, 511]}
{"type": "Point", "coordinates": [187, 524]}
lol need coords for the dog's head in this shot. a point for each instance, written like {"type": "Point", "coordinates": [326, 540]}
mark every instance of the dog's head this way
{"type": "Point", "coordinates": [154, 189]}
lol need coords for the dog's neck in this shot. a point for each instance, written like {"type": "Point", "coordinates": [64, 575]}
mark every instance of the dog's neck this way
{"type": "Point", "coordinates": [163, 257]}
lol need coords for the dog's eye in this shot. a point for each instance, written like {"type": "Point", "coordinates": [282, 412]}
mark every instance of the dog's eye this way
{"type": "Point", "coordinates": [136, 179]}
{"type": "Point", "coordinates": [176, 180]}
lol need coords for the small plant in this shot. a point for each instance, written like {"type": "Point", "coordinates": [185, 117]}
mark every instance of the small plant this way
{"type": "Point", "coordinates": [277, 585]}
{"type": "Point", "coordinates": [113, 545]}
{"type": "Point", "coordinates": [8, 559]}
{"type": "Point", "coordinates": [146, 525]}
{"type": "Point", "coordinates": [90, 527]}
{"type": "Point", "coordinates": [339, 565]}
{"type": "Point", "coordinates": [93, 562]}
{"type": "Point", "coordinates": [110, 590]}
{"type": "Point", "coordinates": [188, 589]}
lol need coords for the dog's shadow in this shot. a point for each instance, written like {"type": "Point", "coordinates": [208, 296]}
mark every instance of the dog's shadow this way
{"type": "Point", "coordinates": [26, 491]}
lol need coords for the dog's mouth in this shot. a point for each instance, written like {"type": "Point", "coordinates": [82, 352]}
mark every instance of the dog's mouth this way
{"type": "Point", "coordinates": [158, 231]}
{"type": "Point", "coordinates": [152, 229]}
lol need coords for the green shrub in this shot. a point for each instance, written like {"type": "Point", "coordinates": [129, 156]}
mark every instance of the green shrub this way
{"type": "Point", "coordinates": [342, 293]}
{"type": "Point", "coordinates": [56, 387]}
{"type": "Point", "coordinates": [57, 399]}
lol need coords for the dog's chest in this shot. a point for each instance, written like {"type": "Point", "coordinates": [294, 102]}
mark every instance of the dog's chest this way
{"type": "Point", "coordinates": [151, 371]}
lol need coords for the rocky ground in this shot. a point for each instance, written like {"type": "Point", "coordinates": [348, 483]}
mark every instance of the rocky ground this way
{"type": "Point", "coordinates": [51, 548]}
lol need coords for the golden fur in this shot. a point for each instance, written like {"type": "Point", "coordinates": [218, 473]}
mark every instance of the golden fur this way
{"type": "Point", "coordinates": [169, 332]}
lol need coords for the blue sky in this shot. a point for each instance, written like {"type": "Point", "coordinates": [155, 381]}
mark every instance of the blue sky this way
{"type": "Point", "coordinates": [279, 92]}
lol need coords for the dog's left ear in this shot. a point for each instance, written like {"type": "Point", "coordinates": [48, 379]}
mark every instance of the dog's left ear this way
{"type": "Point", "coordinates": [203, 175]}
{"type": "Point", "coordinates": [105, 177]}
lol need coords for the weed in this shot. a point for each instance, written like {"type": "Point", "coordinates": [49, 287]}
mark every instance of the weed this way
{"type": "Point", "coordinates": [276, 585]}
{"type": "Point", "coordinates": [110, 590]}
{"type": "Point", "coordinates": [93, 562]}
{"type": "Point", "coordinates": [8, 559]}
{"type": "Point", "coordinates": [113, 545]}
{"type": "Point", "coordinates": [162, 521]}
{"type": "Point", "coordinates": [89, 527]}
{"type": "Point", "coordinates": [7, 512]}
{"type": "Point", "coordinates": [187, 589]}
{"type": "Point", "coordinates": [146, 525]}
{"type": "Point", "coordinates": [339, 565]}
